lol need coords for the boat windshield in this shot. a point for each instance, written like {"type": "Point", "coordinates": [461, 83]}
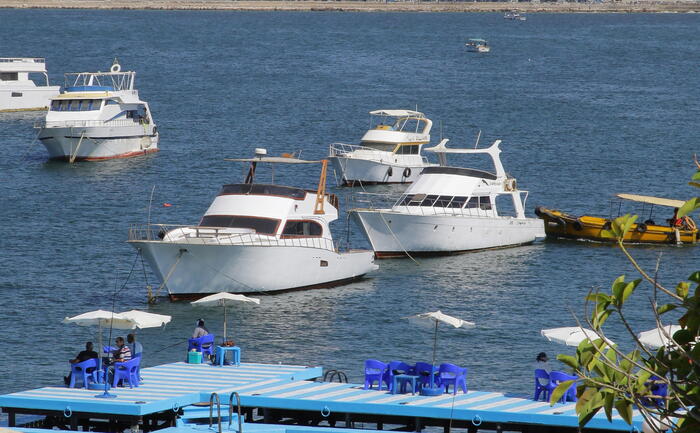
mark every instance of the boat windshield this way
{"type": "Point", "coordinates": [267, 226]}
{"type": "Point", "coordinates": [401, 124]}
{"type": "Point", "coordinates": [263, 189]}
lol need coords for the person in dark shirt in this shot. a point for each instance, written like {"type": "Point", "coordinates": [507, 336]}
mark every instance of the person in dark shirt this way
{"type": "Point", "coordinates": [84, 355]}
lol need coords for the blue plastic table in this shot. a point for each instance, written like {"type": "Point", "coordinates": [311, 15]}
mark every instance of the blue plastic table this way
{"type": "Point", "coordinates": [221, 353]}
{"type": "Point", "coordinates": [403, 379]}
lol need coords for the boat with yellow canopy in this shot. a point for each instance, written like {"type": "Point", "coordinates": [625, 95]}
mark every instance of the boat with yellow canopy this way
{"type": "Point", "coordinates": [559, 224]}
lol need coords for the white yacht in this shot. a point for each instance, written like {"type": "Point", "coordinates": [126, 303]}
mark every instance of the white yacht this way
{"type": "Point", "coordinates": [478, 46]}
{"type": "Point", "coordinates": [18, 91]}
{"type": "Point", "coordinates": [390, 152]}
{"type": "Point", "coordinates": [98, 116]}
{"type": "Point", "coordinates": [255, 237]}
{"type": "Point", "coordinates": [452, 209]}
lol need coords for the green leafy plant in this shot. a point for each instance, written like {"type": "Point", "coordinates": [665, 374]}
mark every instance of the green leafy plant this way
{"type": "Point", "coordinates": [611, 380]}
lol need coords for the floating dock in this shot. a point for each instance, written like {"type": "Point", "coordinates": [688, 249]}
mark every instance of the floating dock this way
{"type": "Point", "coordinates": [274, 394]}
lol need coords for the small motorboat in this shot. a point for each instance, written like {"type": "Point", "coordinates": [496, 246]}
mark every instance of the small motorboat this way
{"type": "Point", "coordinates": [478, 46]}
{"type": "Point", "coordinates": [514, 15]}
{"type": "Point", "coordinates": [559, 224]}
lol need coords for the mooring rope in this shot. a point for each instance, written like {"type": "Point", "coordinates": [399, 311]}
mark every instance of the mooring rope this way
{"type": "Point", "coordinates": [397, 239]}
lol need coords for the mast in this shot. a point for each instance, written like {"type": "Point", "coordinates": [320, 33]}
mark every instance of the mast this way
{"type": "Point", "coordinates": [321, 192]}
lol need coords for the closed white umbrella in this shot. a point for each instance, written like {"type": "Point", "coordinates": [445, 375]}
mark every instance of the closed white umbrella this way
{"type": "Point", "coordinates": [144, 319]}
{"type": "Point", "coordinates": [223, 299]}
{"type": "Point", "coordinates": [571, 335]}
{"type": "Point", "coordinates": [656, 338]}
{"type": "Point", "coordinates": [432, 320]}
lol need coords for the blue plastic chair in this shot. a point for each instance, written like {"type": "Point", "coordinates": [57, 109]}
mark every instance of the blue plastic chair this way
{"type": "Point", "coordinates": [451, 374]}
{"type": "Point", "coordinates": [80, 369]}
{"type": "Point", "coordinates": [375, 371]}
{"type": "Point", "coordinates": [658, 389]}
{"type": "Point", "coordinates": [204, 344]}
{"type": "Point", "coordinates": [539, 388]}
{"type": "Point", "coordinates": [127, 371]}
{"type": "Point", "coordinates": [556, 378]}
{"type": "Point", "coordinates": [396, 368]}
{"type": "Point", "coordinates": [424, 370]}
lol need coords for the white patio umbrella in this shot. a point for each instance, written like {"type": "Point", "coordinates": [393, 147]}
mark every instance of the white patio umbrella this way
{"type": "Point", "coordinates": [223, 299]}
{"type": "Point", "coordinates": [144, 319]}
{"type": "Point", "coordinates": [433, 319]}
{"type": "Point", "coordinates": [571, 335]}
{"type": "Point", "coordinates": [656, 338]}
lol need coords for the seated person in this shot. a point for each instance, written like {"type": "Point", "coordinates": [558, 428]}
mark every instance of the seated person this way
{"type": "Point", "coordinates": [84, 355]}
{"type": "Point", "coordinates": [542, 364]}
{"type": "Point", "coordinates": [121, 354]}
{"type": "Point", "coordinates": [135, 347]}
{"type": "Point", "coordinates": [200, 330]}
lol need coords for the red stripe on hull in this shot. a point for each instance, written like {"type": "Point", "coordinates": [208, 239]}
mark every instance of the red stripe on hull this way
{"type": "Point", "coordinates": [105, 158]}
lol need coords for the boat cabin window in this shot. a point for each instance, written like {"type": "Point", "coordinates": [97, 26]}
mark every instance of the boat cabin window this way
{"type": "Point", "coordinates": [266, 226]}
{"type": "Point", "coordinates": [483, 203]}
{"type": "Point", "coordinates": [386, 147]}
{"type": "Point", "coordinates": [76, 105]}
{"type": "Point", "coordinates": [9, 76]}
{"type": "Point", "coordinates": [443, 201]}
{"type": "Point", "coordinates": [458, 202]}
{"type": "Point", "coordinates": [408, 124]}
{"type": "Point", "coordinates": [416, 200]}
{"type": "Point", "coordinates": [294, 228]}
{"type": "Point", "coordinates": [429, 200]}
{"type": "Point", "coordinates": [411, 149]}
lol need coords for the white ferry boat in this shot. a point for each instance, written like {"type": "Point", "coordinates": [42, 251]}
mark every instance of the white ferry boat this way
{"type": "Point", "coordinates": [390, 152]}
{"type": "Point", "coordinates": [98, 116]}
{"type": "Point", "coordinates": [255, 237]}
{"type": "Point", "coordinates": [451, 210]}
{"type": "Point", "coordinates": [18, 91]}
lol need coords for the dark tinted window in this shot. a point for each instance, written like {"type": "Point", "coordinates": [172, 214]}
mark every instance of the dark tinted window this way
{"type": "Point", "coordinates": [485, 203]}
{"type": "Point", "coordinates": [416, 200]}
{"type": "Point", "coordinates": [473, 203]}
{"type": "Point", "coordinates": [443, 201]}
{"type": "Point", "coordinates": [404, 200]}
{"type": "Point", "coordinates": [302, 228]}
{"type": "Point", "coordinates": [458, 202]}
{"type": "Point", "coordinates": [9, 76]}
{"type": "Point", "coordinates": [408, 150]}
{"type": "Point", "coordinates": [260, 225]}
{"type": "Point", "coordinates": [263, 189]}
{"type": "Point", "coordinates": [429, 200]}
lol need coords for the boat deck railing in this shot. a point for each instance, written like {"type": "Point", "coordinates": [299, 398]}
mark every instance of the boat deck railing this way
{"type": "Point", "coordinates": [22, 59]}
{"type": "Point", "coordinates": [387, 202]}
{"type": "Point", "coordinates": [357, 151]}
{"type": "Point", "coordinates": [199, 235]}
{"type": "Point", "coordinates": [84, 123]}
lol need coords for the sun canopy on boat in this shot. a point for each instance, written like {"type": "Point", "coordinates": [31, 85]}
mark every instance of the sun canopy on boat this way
{"type": "Point", "coordinates": [396, 113]}
{"type": "Point", "coordinates": [274, 159]}
{"type": "Point", "coordinates": [652, 200]}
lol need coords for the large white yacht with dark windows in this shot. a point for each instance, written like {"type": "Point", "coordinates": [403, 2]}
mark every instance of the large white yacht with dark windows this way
{"type": "Point", "coordinates": [98, 116]}
{"type": "Point", "coordinates": [18, 89]}
{"type": "Point", "coordinates": [255, 237]}
{"type": "Point", "coordinates": [450, 210]}
{"type": "Point", "coordinates": [389, 152]}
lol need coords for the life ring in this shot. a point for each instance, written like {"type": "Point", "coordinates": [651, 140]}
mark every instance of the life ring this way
{"type": "Point", "coordinates": [116, 67]}
{"type": "Point", "coordinates": [406, 172]}
{"type": "Point", "coordinates": [389, 172]}
{"type": "Point", "coordinates": [641, 228]}
{"type": "Point", "coordinates": [577, 225]}
{"type": "Point", "coordinates": [607, 225]}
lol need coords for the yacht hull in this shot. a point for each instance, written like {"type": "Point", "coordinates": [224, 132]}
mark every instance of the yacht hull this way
{"type": "Point", "coordinates": [34, 98]}
{"type": "Point", "coordinates": [351, 171]}
{"type": "Point", "coordinates": [394, 234]}
{"type": "Point", "coordinates": [191, 270]}
{"type": "Point", "coordinates": [98, 143]}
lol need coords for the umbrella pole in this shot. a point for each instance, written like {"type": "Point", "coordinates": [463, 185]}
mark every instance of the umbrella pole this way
{"type": "Point", "coordinates": [224, 322]}
{"type": "Point", "coordinates": [432, 373]}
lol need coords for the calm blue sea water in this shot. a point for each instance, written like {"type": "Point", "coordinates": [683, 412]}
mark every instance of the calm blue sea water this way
{"type": "Point", "coordinates": [586, 105]}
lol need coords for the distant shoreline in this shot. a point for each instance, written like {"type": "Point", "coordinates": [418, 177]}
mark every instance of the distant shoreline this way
{"type": "Point", "coordinates": [360, 6]}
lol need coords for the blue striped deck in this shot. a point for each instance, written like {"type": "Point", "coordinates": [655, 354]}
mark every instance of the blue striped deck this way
{"type": "Point", "coordinates": [165, 387]}
{"type": "Point", "coordinates": [475, 405]}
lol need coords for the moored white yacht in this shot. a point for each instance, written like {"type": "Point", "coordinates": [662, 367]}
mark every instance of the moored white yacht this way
{"type": "Point", "coordinates": [18, 92]}
{"type": "Point", "coordinates": [389, 152]}
{"type": "Point", "coordinates": [452, 209]}
{"type": "Point", "coordinates": [98, 116]}
{"type": "Point", "coordinates": [255, 237]}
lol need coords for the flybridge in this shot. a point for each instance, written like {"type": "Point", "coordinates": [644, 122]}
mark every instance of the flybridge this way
{"type": "Point", "coordinates": [100, 81]}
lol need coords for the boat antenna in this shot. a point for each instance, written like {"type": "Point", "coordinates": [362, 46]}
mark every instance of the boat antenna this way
{"type": "Point", "coordinates": [478, 136]}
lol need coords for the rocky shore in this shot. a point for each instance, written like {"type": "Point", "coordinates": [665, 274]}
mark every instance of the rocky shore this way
{"type": "Point", "coordinates": [361, 6]}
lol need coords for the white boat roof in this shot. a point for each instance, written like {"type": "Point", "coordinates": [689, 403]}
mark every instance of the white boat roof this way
{"type": "Point", "coordinates": [274, 159]}
{"type": "Point", "coordinates": [397, 113]}
{"type": "Point", "coordinates": [22, 64]}
{"type": "Point", "coordinates": [652, 200]}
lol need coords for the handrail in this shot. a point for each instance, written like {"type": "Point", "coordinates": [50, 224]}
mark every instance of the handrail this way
{"type": "Point", "coordinates": [22, 59]}
{"type": "Point", "coordinates": [344, 150]}
{"type": "Point", "coordinates": [83, 123]}
{"type": "Point", "coordinates": [201, 235]}
{"type": "Point", "coordinates": [230, 411]}
{"type": "Point", "coordinates": [211, 409]}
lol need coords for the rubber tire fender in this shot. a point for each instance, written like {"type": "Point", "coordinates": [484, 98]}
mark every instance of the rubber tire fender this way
{"type": "Point", "coordinates": [389, 172]}
{"type": "Point", "coordinates": [407, 172]}
{"type": "Point", "coordinates": [641, 228]}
